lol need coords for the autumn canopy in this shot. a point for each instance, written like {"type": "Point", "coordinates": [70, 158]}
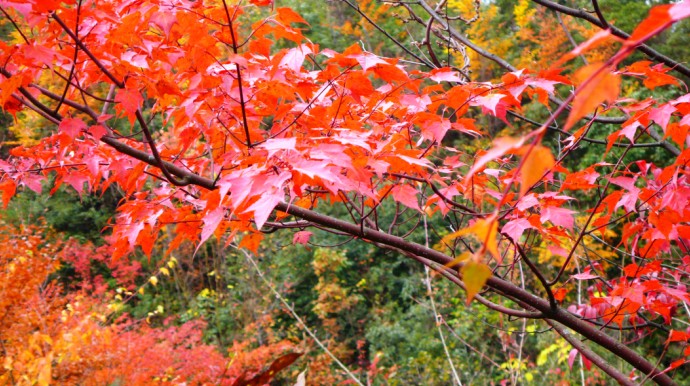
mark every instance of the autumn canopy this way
{"type": "Point", "coordinates": [220, 120]}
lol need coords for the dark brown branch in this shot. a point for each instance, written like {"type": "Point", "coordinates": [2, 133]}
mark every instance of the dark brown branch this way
{"type": "Point", "coordinates": [661, 142]}
{"type": "Point", "coordinates": [427, 43]}
{"type": "Point", "coordinates": [74, 59]}
{"type": "Point", "coordinates": [83, 90]}
{"type": "Point", "coordinates": [453, 277]}
{"type": "Point", "coordinates": [243, 106]}
{"type": "Point", "coordinates": [83, 108]}
{"type": "Point", "coordinates": [151, 160]}
{"type": "Point", "coordinates": [36, 109]}
{"type": "Point", "coordinates": [597, 10]}
{"type": "Point", "coordinates": [536, 271]}
{"type": "Point", "coordinates": [152, 145]}
{"type": "Point", "coordinates": [571, 321]}
{"type": "Point", "coordinates": [569, 36]}
{"type": "Point", "coordinates": [35, 102]}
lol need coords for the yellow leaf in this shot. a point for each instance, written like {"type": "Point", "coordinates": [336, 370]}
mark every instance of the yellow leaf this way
{"type": "Point", "coordinates": [474, 275]}
{"type": "Point", "coordinates": [538, 162]}
{"type": "Point", "coordinates": [463, 256]}
{"type": "Point", "coordinates": [44, 375]}
{"type": "Point", "coordinates": [485, 229]}
{"type": "Point", "coordinates": [165, 271]}
{"type": "Point", "coordinates": [153, 280]}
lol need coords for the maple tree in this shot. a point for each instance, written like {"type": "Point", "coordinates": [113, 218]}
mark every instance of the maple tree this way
{"type": "Point", "coordinates": [53, 334]}
{"type": "Point", "coordinates": [212, 130]}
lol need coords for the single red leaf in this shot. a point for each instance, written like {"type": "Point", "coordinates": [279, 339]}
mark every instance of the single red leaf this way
{"type": "Point", "coordinates": [677, 336]}
{"type": "Point", "coordinates": [632, 270]}
{"type": "Point", "coordinates": [264, 206]}
{"type": "Point", "coordinates": [76, 180]}
{"type": "Point", "coordinates": [97, 131]}
{"type": "Point", "coordinates": [677, 363]}
{"type": "Point", "coordinates": [515, 228]}
{"type": "Point", "coordinates": [261, 3]}
{"type": "Point", "coordinates": [8, 189]}
{"type": "Point", "coordinates": [586, 362]}
{"type": "Point", "coordinates": [571, 358]}
{"type": "Point", "coordinates": [287, 16]}
{"type": "Point", "coordinates": [72, 127]}
{"type": "Point", "coordinates": [210, 222]}
{"type": "Point", "coordinates": [301, 237]}
{"type": "Point", "coordinates": [560, 293]}
{"type": "Point", "coordinates": [558, 216]}
{"type": "Point", "coordinates": [584, 276]}
{"type": "Point", "coordinates": [129, 100]}
{"type": "Point", "coordinates": [406, 195]}
{"type": "Point", "coordinates": [7, 88]}
{"type": "Point", "coordinates": [294, 58]}
{"type": "Point", "coordinates": [444, 74]}
{"type": "Point", "coordinates": [368, 60]}
{"type": "Point", "coordinates": [658, 19]}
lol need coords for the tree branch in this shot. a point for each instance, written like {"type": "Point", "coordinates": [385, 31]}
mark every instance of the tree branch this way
{"type": "Point", "coordinates": [647, 50]}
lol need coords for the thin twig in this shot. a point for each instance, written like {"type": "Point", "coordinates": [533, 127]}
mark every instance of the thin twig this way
{"type": "Point", "coordinates": [299, 320]}
{"type": "Point", "coordinates": [437, 317]}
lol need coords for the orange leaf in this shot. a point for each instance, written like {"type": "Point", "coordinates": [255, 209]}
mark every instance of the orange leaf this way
{"type": "Point", "coordinates": [8, 87]}
{"type": "Point", "coordinates": [598, 39]}
{"type": "Point", "coordinates": [658, 19]}
{"type": "Point", "coordinates": [538, 162]}
{"type": "Point", "coordinates": [252, 242]}
{"type": "Point", "coordinates": [560, 293]}
{"type": "Point", "coordinates": [598, 84]}
{"type": "Point", "coordinates": [677, 336]}
{"type": "Point", "coordinates": [287, 16]}
{"type": "Point", "coordinates": [501, 146]}
{"type": "Point", "coordinates": [45, 368]}
{"type": "Point", "coordinates": [677, 363]}
{"type": "Point", "coordinates": [8, 189]}
{"type": "Point", "coordinates": [474, 275]}
{"type": "Point", "coordinates": [678, 133]}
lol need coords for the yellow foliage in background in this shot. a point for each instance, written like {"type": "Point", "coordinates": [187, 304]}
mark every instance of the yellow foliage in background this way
{"type": "Point", "coordinates": [588, 247]}
{"type": "Point", "coordinates": [533, 39]}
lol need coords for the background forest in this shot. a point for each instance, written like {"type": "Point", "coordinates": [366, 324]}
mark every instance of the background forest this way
{"type": "Point", "coordinates": [73, 310]}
